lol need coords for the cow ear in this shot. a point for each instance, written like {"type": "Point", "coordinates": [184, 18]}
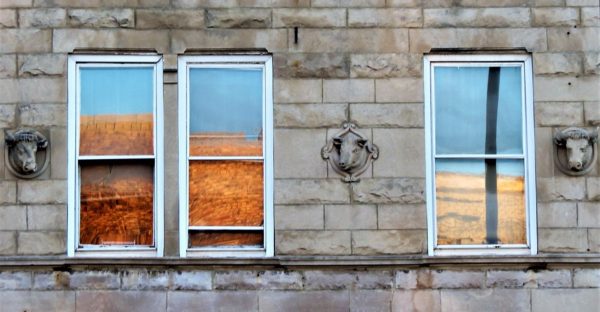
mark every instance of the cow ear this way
{"type": "Point", "coordinates": [362, 142]}
{"type": "Point", "coordinates": [42, 142]}
{"type": "Point", "coordinates": [10, 139]}
{"type": "Point", "coordinates": [337, 141]}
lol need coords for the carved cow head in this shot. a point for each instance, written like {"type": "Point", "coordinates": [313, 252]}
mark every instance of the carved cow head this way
{"type": "Point", "coordinates": [24, 145]}
{"type": "Point", "coordinates": [578, 144]}
{"type": "Point", "coordinates": [352, 151]}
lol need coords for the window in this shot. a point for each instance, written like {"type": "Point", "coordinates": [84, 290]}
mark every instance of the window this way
{"type": "Point", "coordinates": [480, 154]}
{"type": "Point", "coordinates": [226, 148]}
{"type": "Point", "coordinates": [115, 184]}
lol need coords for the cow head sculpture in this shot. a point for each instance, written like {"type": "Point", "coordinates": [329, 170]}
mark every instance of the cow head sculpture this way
{"type": "Point", "coordinates": [22, 152]}
{"type": "Point", "coordinates": [576, 150]}
{"type": "Point", "coordinates": [349, 152]}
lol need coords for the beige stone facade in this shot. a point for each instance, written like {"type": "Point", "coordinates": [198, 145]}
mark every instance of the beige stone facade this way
{"type": "Point", "coordinates": [338, 246]}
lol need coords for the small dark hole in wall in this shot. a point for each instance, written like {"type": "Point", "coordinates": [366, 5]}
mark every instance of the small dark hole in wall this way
{"type": "Point", "coordinates": [295, 35]}
{"type": "Point", "coordinates": [568, 33]}
{"type": "Point", "coordinates": [569, 83]}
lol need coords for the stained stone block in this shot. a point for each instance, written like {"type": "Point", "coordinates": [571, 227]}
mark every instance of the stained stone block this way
{"type": "Point", "coordinates": [298, 91]}
{"type": "Point", "coordinates": [310, 65]}
{"type": "Point", "coordinates": [8, 189]}
{"type": "Point", "coordinates": [573, 39]}
{"type": "Point", "coordinates": [333, 280]}
{"type": "Point", "coordinates": [370, 300]}
{"type": "Point", "coordinates": [509, 279]}
{"type": "Point", "coordinates": [399, 90]}
{"type": "Point", "coordinates": [236, 3]}
{"type": "Point", "coordinates": [487, 17]}
{"type": "Point", "coordinates": [557, 214]}
{"type": "Point", "coordinates": [482, 299]}
{"type": "Point", "coordinates": [13, 218]}
{"type": "Point", "coordinates": [15, 280]}
{"type": "Point", "coordinates": [8, 19]}
{"type": "Point", "coordinates": [562, 240]}
{"type": "Point", "coordinates": [293, 151]}
{"type": "Point", "coordinates": [381, 191]}
{"type": "Point", "coordinates": [56, 280]}
{"type": "Point", "coordinates": [170, 19]}
{"type": "Point", "coordinates": [42, 18]}
{"type": "Point", "coordinates": [318, 191]}
{"type": "Point", "coordinates": [65, 40]}
{"type": "Point", "coordinates": [406, 279]}
{"type": "Point", "coordinates": [8, 66]}
{"type": "Point", "coordinates": [309, 18]}
{"type": "Point", "coordinates": [588, 214]}
{"type": "Point", "coordinates": [594, 240]}
{"type": "Point", "coordinates": [559, 189]}
{"type": "Point", "coordinates": [586, 278]}
{"type": "Point", "coordinates": [38, 301]}
{"type": "Point", "coordinates": [16, 3]}
{"type": "Point", "coordinates": [113, 18]}
{"type": "Point", "coordinates": [42, 191]}
{"type": "Point", "coordinates": [238, 18]}
{"type": "Point", "coordinates": [212, 301]}
{"type": "Point", "coordinates": [8, 243]}
{"type": "Point", "coordinates": [191, 280]}
{"type": "Point", "coordinates": [350, 40]}
{"type": "Point", "coordinates": [42, 65]}
{"type": "Point", "coordinates": [41, 243]}
{"type": "Point", "coordinates": [403, 3]}
{"type": "Point", "coordinates": [145, 280]}
{"type": "Point", "coordinates": [347, 3]}
{"type": "Point", "coordinates": [385, 65]}
{"type": "Point", "coordinates": [36, 115]}
{"type": "Point", "coordinates": [299, 217]}
{"type": "Point", "coordinates": [25, 41]}
{"type": "Point", "coordinates": [404, 155]}
{"type": "Point", "coordinates": [33, 90]}
{"type": "Point", "coordinates": [304, 301]}
{"type": "Point", "coordinates": [312, 242]}
{"type": "Point", "coordinates": [549, 300]}
{"type": "Point", "coordinates": [581, 3]}
{"type": "Point", "coordinates": [7, 117]}
{"type": "Point", "coordinates": [591, 63]}
{"type": "Point", "coordinates": [375, 279]}
{"type": "Point", "coordinates": [309, 115]}
{"type": "Point", "coordinates": [556, 63]}
{"type": "Point", "coordinates": [590, 16]}
{"type": "Point", "coordinates": [385, 18]}
{"type": "Point", "coordinates": [566, 114]}
{"type": "Point", "coordinates": [142, 301]}
{"type": "Point", "coordinates": [350, 217]}
{"type": "Point", "coordinates": [348, 90]}
{"type": "Point", "coordinates": [94, 280]}
{"type": "Point", "coordinates": [451, 279]}
{"type": "Point", "coordinates": [388, 242]}
{"type": "Point", "coordinates": [553, 279]}
{"type": "Point", "coordinates": [387, 115]}
{"type": "Point", "coordinates": [593, 188]}
{"type": "Point", "coordinates": [401, 217]}
{"type": "Point", "coordinates": [241, 280]}
{"type": "Point", "coordinates": [555, 16]}
{"type": "Point", "coordinates": [416, 300]}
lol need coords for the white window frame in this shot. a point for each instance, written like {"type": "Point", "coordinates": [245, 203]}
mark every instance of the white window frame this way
{"type": "Point", "coordinates": [263, 61]}
{"type": "Point", "coordinates": [75, 62]}
{"type": "Point", "coordinates": [524, 61]}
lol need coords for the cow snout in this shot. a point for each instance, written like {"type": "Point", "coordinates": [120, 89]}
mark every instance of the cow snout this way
{"type": "Point", "coordinates": [576, 165]}
{"type": "Point", "coordinates": [29, 166]}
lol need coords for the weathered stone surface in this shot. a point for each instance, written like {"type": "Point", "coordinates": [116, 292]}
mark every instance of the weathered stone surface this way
{"type": "Point", "coordinates": [42, 64]}
{"type": "Point", "coordinates": [488, 17]}
{"type": "Point", "coordinates": [212, 301]}
{"type": "Point", "coordinates": [312, 242]}
{"type": "Point", "coordinates": [482, 299]}
{"type": "Point", "coordinates": [562, 240]}
{"type": "Point", "coordinates": [581, 3]}
{"type": "Point", "coordinates": [8, 189]}
{"type": "Point", "coordinates": [557, 214]}
{"type": "Point", "coordinates": [236, 280]}
{"type": "Point", "coordinates": [142, 301]}
{"type": "Point", "coordinates": [400, 217]}
{"type": "Point", "coordinates": [385, 65]}
{"type": "Point", "coordinates": [422, 40]}
{"type": "Point", "coordinates": [450, 279]}
{"type": "Point", "coordinates": [15, 280]}
{"type": "Point", "coordinates": [41, 243]}
{"type": "Point", "coordinates": [475, 3]}
{"type": "Point", "coordinates": [588, 214]}
{"type": "Point", "coordinates": [348, 90]}
{"type": "Point", "coordinates": [555, 16]}
{"type": "Point", "coordinates": [591, 63]}
{"type": "Point", "coordinates": [350, 40]}
{"type": "Point", "coordinates": [592, 113]}
{"type": "Point", "coordinates": [549, 300]}
{"type": "Point", "coordinates": [310, 65]}
{"type": "Point", "coordinates": [404, 155]}
{"type": "Point", "coordinates": [298, 91]}
{"type": "Point", "coordinates": [51, 280]}
{"type": "Point", "coordinates": [38, 300]}
{"type": "Point", "coordinates": [370, 300]}
{"type": "Point", "coordinates": [33, 90]}
{"type": "Point", "coordinates": [42, 191]}
{"type": "Point", "coordinates": [191, 280]}
{"type": "Point", "coordinates": [238, 18]}
{"type": "Point", "coordinates": [25, 40]}
{"type": "Point", "coordinates": [559, 113]}
{"type": "Point", "coordinates": [399, 90]}
{"type": "Point", "coordinates": [416, 300]}
{"type": "Point", "coordinates": [281, 280]}
{"type": "Point", "coordinates": [553, 279]}
{"type": "Point", "coordinates": [294, 148]}
{"type": "Point", "coordinates": [387, 115]}
{"type": "Point", "coordinates": [388, 242]}
{"type": "Point", "coordinates": [58, 153]}
{"type": "Point", "coordinates": [102, 18]}
{"type": "Point", "coordinates": [42, 115]}
{"type": "Point", "coordinates": [94, 280]}
{"type": "Point", "coordinates": [593, 188]}
{"type": "Point", "coordinates": [406, 279]}
{"type": "Point", "coordinates": [310, 115]}
{"type": "Point", "coordinates": [145, 280]}
{"type": "Point", "coordinates": [544, 150]}
{"type": "Point", "coordinates": [586, 278]}
{"type": "Point", "coordinates": [399, 190]}
{"type": "Point", "coordinates": [385, 18]}
{"type": "Point", "coordinates": [238, 3]}
{"type": "Point", "coordinates": [350, 217]}
{"type": "Point", "coordinates": [403, 3]}
{"type": "Point", "coordinates": [334, 280]}
{"type": "Point", "coordinates": [8, 66]}
{"type": "Point", "coordinates": [101, 3]}
{"type": "Point", "coordinates": [42, 18]}
{"type": "Point", "coordinates": [8, 243]}
{"type": "Point", "coordinates": [309, 18]}
{"type": "Point", "coordinates": [574, 39]}
{"type": "Point", "coordinates": [65, 40]}
{"type": "Point", "coordinates": [13, 218]}
{"type": "Point", "coordinates": [557, 189]}
{"type": "Point", "coordinates": [374, 279]}
{"type": "Point", "coordinates": [299, 217]}
{"type": "Point", "coordinates": [544, 3]}
{"type": "Point", "coordinates": [347, 3]}
{"type": "Point", "coordinates": [509, 279]}
{"type": "Point", "coordinates": [594, 240]}
{"type": "Point", "coordinates": [8, 18]}
{"type": "Point", "coordinates": [16, 3]}
{"type": "Point", "coordinates": [321, 191]}
{"type": "Point", "coordinates": [7, 116]}
{"type": "Point", "coordinates": [590, 16]}
{"type": "Point", "coordinates": [304, 301]}
{"type": "Point", "coordinates": [556, 63]}
{"type": "Point", "coordinates": [169, 18]}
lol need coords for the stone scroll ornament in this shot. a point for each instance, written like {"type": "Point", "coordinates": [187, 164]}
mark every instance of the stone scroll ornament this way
{"type": "Point", "coordinates": [349, 152]}
{"type": "Point", "coordinates": [575, 150]}
{"type": "Point", "coordinates": [26, 152]}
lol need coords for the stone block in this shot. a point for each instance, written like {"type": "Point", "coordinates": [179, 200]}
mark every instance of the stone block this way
{"type": "Point", "coordinates": [423, 40]}
{"type": "Point", "coordinates": [298, 91]}
{"type": "Point", "coordinates": [455, 300]}
{"type": "Point", "coordinates": [160, 18]}
{"type": "Point", "coordinates": [56, 280]}
{"type": "Point", "coordinates": [16, 3]}
{"type": "Point", "coordinates": [36, 115]}
{"type": "Point", "coordinates": [382, 191]}
{"type": "Point", "coordinates": [65, 40]}
{"type": "Point", "coordinates": [401, 217]}
{"type": "Point", "coordinates": [559, 189]}
{"type": "Point", "coordinates": [312, 242]}
{"type": "Point", "coordinates": [42, 65]}
{"type": "Point", "coordinates": [8, 243]}
{"type": "Point", "coordinates": [347, 3]}
{"type": "Point", "coordinates": [111, 18]}
{"type": "Point", "coordinates": [101, 3]}
{"type": "Point", "coordinates": [297, 153]}
{"type": "Point", "coordinates": [238, 3]}
{"type": "Point", "coordinates": [350, 217]}
{"type": "Point", "coordinates": [475, 3]}
{"type": "Point", "coordinates": [145, 280]}
{"type": "Point", "coordinates": [583, 278]}
{"type": "Point", "coordinates": [304, 301]}
{"type": "Point", "coordinates": [562, 240]}
{"type": "Point", "coordinates": [401, 90]}
{"type": "Point", "coordinates": [8, 189]}
{"type": "Point", "coordinates": [348, 90]}
{"type": "Point", "coordinates": [332, 279]}
{"type": "Point", "coordinates": [582, 3]}
{"type": "Point", "coordinates": [416, 300]}
{"type": "Point", "coordinates": [401, 153]}
{"type": "Point", "coordinates": [310, 65]}
{"type": "Point", "coordinates": [142, 301]}
{"type": "Point", "coordinates": [559, 113]}
{"type": "Point", "coordinates": [236, 280]}
{"type": "Point", "coordinates": [450, 279]}
{"type": "Point", "coordinates": [370, 300]}
{"type": "Point", "coordinates": [8, 66]}
{"type": "Point", "coordinates": [406, 279]}
{"type": "Point", "coordinates": [544, 3]}
{"type": "Point", "coordinates": [557, 214]}
{"type": "Point", "coordinates": [592, 115]}
{"type": "Point", "coordinates": [58, 153]}
{"type": "Point", "coordinates": [374, 279]}
{"type": "Point", "coordinates": [309, 18]}
{"type": "Point", "coordinates": [594, 240]}
{"type": "Point", "coordinates": [7, 117]}
{"type": "Point", "coordinates": [556, 63]}
{"type": "Point", "coordinates": [41, 243]}
{"type": "Point", "coordinates": [280, 280]}
{"type": "Point", "coordinates": [191, 280]}
{"type": "Point", "coordinates": [387, 115]}
{"type": "Point", "coordinates": [590, 16]}
{"type": "Point", "coordinates": [42, 191]}
{"type": "Point", "coordinates": [544, 151]}
{"type": "Point", "coordinates": [299, 217]}
{"type": "Point", "coordinates": [553, 279]}
{"type": "Point", "coordinates": [212, 301]}
{"type": "Point", "coordinates": [385, 65]}
{"type": "Point", "coordinates": [591, 63]}
{"type": "Point", "coordinates": [552, 17]}
{"type": "Point", "coordinates": [509, 279]}
{"type": "Point", "coordinates": [13, 218]}
{"type": "Point", "coordinates": [385, 18]}
{"type": "Point", "coordinates": [310, 115]}
{"type": "Point", "coordinates": [549, 300]}
{"type": "Point", "coordinates": [388, 242]}
{"type": "Point", "coordinates": [10, 280]}
{"type": "Point", "coordinates": [94, 280]}
{"type": "Point", "coordinates": [25, 40]}
{"type": "Point", "coordinates": [403, 3]}
{"type": "Point", "coordinates": [593, 188]}
{"type": "Point", "coordinates": [317, 191]}
{"type": "Point", "coordinates": [42, 18]}
{"type": "Point", "coordinates": [8, 19]}
{"type": "Point", "coordinates": [487, 17]}
{"type": "Point", "coordinates": [33, 90]}
{"type": "Point", "coordinates": [38, 300]}
{"type": "Point", "coordinates": [350, 40]}
{"type": "Point", "coordinates": [238, 18]}
{"type": "Point", "coordinates": [573, 39]}
{"type": "Point", "coordinates": [588, 214]}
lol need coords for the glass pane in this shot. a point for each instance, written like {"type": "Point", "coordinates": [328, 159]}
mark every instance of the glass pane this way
{"type": "Point", "coordinates": [222, 238]}
{"type": "Point", "coordinates": [226, 112]}
{"type": "Point", "coordinates": [116, 111]}
{"type": "Point", "coordinates": [480, 201]}
{"type": "Point", "coordinates": [226, 193]}
{"type": "Point", "coordinates": [478, 110]}
{"type": "Point", "coordinates": [117, 202]}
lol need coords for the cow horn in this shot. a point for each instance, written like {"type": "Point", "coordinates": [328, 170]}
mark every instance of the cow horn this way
{"type": "Point", "coordinates": [560, 137]}
{"type": "Point", "coordinates": [42, 142]}
{"type": "Point", "coordinates": [594, 135]}
{"type": "Point", "coordinates": [10, 138]}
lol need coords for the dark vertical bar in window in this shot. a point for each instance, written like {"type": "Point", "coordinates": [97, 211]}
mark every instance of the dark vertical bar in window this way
{"type": "Point", "coordinates": [491, 187]}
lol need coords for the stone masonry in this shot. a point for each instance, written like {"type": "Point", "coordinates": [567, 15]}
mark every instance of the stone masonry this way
{"type": "Point", "coordinates": [357, 60]}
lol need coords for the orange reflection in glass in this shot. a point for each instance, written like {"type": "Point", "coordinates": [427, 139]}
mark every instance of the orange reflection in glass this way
{"type": "Point", "coordinates": [224, 144]}
{"type": "Point", "coordinates": [116, 203]}
{"type": "Point", "coordinates": [116, 134]}
{"type": "Point", "coordinates": [214, 238]}
{"type": "Point", "coordinates": [226, 193]}
{"type": "Point", "coordinates": [461, 215]}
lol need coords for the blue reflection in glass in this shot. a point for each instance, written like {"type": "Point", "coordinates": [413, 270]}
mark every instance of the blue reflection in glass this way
{"type": "Point", "coordinates": [504, 167]}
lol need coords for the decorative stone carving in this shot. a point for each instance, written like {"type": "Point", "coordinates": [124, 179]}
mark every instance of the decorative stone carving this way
{"type": "Point", "coordinates": [349, 152]}
{"type": "Point", "coordinates": [24, 152]}
{"type": "Point", "coordinates": [576, 150]}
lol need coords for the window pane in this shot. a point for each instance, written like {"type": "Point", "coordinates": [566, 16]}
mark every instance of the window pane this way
{"type": "Point", "coordinates": [478, 110]}
{"type": "Point", "coordinates": [473, 208]}
{"type": "Point", "coordinates": [116, 111]}
{"type": "Point", "coordinates": [226, 193]}
{"type": "Point", "coordinates": [117, 202]}
{"type": "Point", "coordinates": [223, 238]}
{"type": "Point", "coordinates": [226, 112]}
